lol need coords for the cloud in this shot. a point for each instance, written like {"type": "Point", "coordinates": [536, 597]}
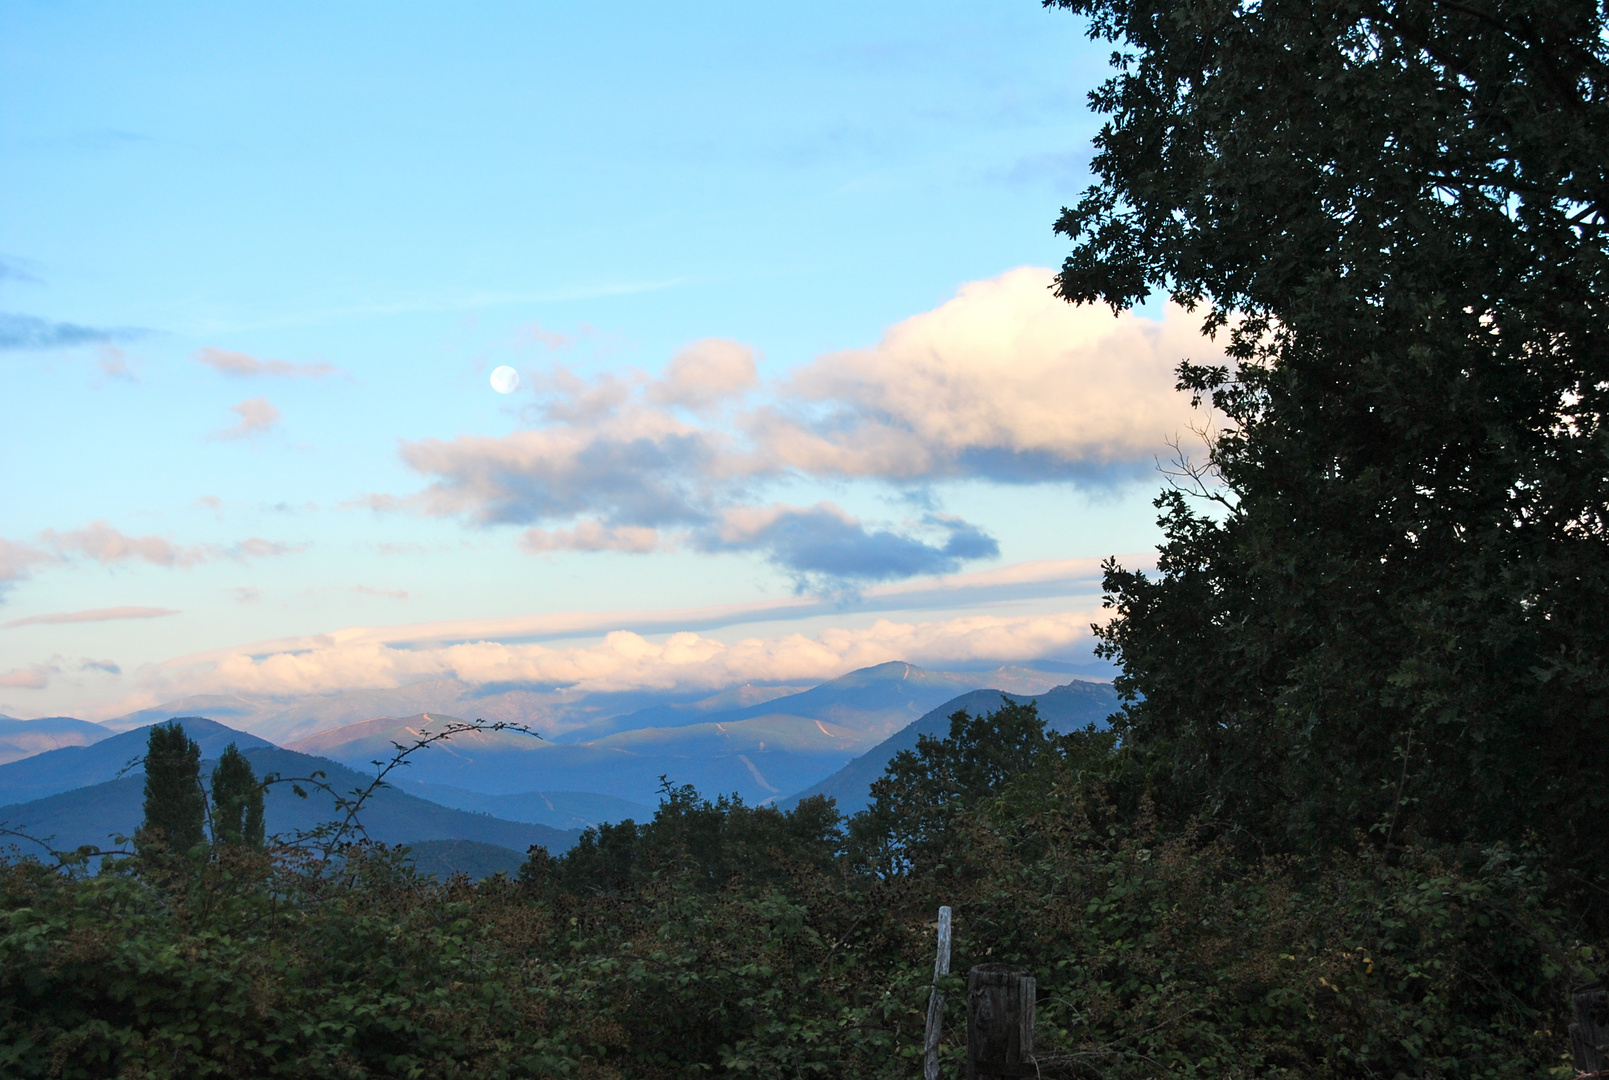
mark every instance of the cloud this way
{"type": "Point", "coordinates": [591, 536]}
{"type": "Point", "coordinates": [17, 561]}
{"type": "Point", "coordinates": [245, 594]}
{"type": "Point", "coordinates": [822, 541]}
{"type": "Point", "coordinates": [114, 364]}
{"type": "Point", "coordinates": [99, 541]}
{"type": "Point", "coordinates": [706, 374]}
{"type": "Point", "coordinates": [392, 594]}
{"type": "Point", "coordinates": [94, 615]}
{"type": "Point", "coordinates": [257, 415]}
{"type": "Point", "coordinates": [243, 366]}
{"type": "Point", "coordinates": [34, 678]}
{"type": "Point", "coordinates": [1003, 382]}
{"type": "Point", "coordinates": [107, 667]}
{"type": "Point", "coordinates": [30, 332]}
{"type": "Point", "coordinates": [106, 545]}
{"type": "Point", "coordinates": [623, 660]}
{"type": "Point", "coordinates": [255, 547]}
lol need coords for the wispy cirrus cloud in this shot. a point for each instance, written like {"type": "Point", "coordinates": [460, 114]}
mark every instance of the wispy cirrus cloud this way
{"type": "Point", "coordinates": [1002, 383]}
{"type": "Point", "coordinates": [244, 366]}
{"type": "Point", "coordinates": [27, 332]}
{"type": "Point", "coordinates": [94, 615]}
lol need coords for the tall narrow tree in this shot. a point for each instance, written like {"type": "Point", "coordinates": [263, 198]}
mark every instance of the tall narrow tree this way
{"type": "Point", "coordinates": [237, 801]}
{"type": "Point", "coordinates": [175, 805]}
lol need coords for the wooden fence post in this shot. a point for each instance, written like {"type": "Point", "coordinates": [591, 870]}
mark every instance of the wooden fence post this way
{"type": "Point", "coordinates": [935, 1001]}
{"type": "Point", "coordinates": [1000, 1022]}
{"type": "Point", "coordinates": [1589, 1035]}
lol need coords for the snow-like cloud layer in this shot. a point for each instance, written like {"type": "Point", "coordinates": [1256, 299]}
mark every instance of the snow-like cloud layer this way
{"type": "Point", "coordinates": [624, 660]}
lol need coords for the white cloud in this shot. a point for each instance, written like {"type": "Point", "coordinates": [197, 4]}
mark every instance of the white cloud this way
{"type": "Point", "coordinates": [1004, 380]}
{"type": "Point", "coordinates": [624, 660]}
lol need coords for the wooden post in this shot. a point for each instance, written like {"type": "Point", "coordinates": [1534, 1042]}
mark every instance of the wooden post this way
{"type": "Point", "coordinates": [935, 1001]}
{"type": "Point", "coordinates": [1000, 1022]}
{"type": "Point", "coordinates": [1589, 1035]}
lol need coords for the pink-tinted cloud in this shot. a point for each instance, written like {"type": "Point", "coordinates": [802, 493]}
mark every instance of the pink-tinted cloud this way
{"type": "Point", "coordinates": [99, 541]}
{"type": "Point", "coordinates": [706, 374]}
{"type": "Point", "coordinates": [257, 415]}
{"type": "Point", "coordinates": [32, 678]}
{"type": "Point", "coordinates": [94, 615]}
{"type": "Point", "coordinates": [18, 560]}
{"type": "Point", "coordinates": [243, 366]}
{"type": "Point", "coordinates": [592, 536]}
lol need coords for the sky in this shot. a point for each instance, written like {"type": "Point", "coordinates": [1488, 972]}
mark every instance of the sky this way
{"type": "Point", "coordinates": [794, 394]}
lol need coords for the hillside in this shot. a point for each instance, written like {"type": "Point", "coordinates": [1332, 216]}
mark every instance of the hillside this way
{"type": "Point", "coordinates": [24, 738]}
{"type": "Point", "coordinates": [556, 809]}
{"type": "Point", "coordinates": [79, 766]}
{"type": "Point", "coordinates": [1063, 709]}
{"type": "Point", "coordinates": [92, 814]}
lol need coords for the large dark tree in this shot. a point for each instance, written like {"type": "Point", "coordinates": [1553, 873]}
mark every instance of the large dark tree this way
{"type": "Point", "coordinates": [1393, 211]}
{"type": "Point", "coordinates": [175, 805]}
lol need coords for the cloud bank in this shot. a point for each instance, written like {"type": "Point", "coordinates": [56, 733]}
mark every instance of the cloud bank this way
{"type": "Point", "coordinates": [242, 366]}
{"type": "Point", "coordinates": [1002, 383]}
{"type": "Point", "coordinates": [622, 659]}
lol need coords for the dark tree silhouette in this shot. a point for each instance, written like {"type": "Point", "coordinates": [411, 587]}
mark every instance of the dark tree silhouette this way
{"type": "Point", "coordinates": [237, 801]}
{"type": "Point", "coordinates": [175, 805]}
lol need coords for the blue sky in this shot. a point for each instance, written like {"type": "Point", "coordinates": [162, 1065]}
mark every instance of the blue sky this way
{"type": "Point", "coordinates": [773, 279]}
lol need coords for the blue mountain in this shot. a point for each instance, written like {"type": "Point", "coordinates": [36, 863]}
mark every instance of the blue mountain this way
{"type": "Point", "coordinates": [1065, 708]}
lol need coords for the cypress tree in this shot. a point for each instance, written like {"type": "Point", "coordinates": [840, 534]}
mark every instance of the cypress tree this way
{"type": "Point", "coordinates": [175, 805]}
{"type": "Point", "coordinates": [237, 801]}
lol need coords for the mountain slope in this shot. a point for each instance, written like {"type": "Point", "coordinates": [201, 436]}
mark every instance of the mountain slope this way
{"type": "Point", "coordinates": [556, 809]}
{"type": "Point", "coordinates": [24, 738]}
{"type": "Point", "coordinates": [77, 766]}
{"type": "Point", "coordinates": [1064, 708]}
{"type": "Point", "coordinates": [92, 814]}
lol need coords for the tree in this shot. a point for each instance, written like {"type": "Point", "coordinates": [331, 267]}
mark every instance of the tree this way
{"type": "Point", "coordinates": [175, 805]}
{"type": "Point", "coordinates": [237, 801]}
{"type": "Point", "coordinates": [1395, 616]}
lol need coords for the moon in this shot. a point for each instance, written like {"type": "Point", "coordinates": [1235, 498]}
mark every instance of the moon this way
{"type": "Point", "coordinates": [505, 380]}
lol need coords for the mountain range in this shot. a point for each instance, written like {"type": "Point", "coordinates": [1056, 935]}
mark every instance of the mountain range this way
{"type": "Point", "coordinates": [509, 789]}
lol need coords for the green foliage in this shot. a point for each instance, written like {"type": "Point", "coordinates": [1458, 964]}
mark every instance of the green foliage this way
{"type": "Point", "coordinates": [237, 801]}
{"type": "Point", "coordinates": [1395, 617]}
{"type": "Point", "coordinates": [707, 845]}
{"type": "Point", "coordinates": [175, 804]}
{"type": "Point", "coordinates": [739, 941]}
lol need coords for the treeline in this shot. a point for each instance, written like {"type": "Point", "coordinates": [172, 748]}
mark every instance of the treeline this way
{"type": "Point", "coordinates": [736, 940]}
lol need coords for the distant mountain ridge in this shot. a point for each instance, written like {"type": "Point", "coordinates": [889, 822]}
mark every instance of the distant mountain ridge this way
{"type": "Point", "coordinates": [24, 738]}
{"type": "Point", "coordinates": [1064, 708]}
{"type": "Point", "coordinates": [78, 766]}
{"type": "Point", "coordinates": [760, 751]}
{"type": "Point", "coordinates": [93, 813]}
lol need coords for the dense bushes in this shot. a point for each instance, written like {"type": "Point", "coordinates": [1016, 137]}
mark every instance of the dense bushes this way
{"type": "Point", "coordinates": [741, 941]}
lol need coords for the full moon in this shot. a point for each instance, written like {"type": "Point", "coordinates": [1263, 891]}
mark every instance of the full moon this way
{"type": "Point", "coordinates": [505, 380]}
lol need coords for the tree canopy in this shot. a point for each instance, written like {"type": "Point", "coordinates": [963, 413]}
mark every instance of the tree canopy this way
{"type": "Point", "coordinates": [1390, 610]}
